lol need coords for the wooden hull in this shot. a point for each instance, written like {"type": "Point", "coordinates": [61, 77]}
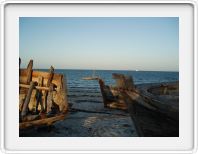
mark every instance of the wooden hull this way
{"type": "Point", "coordinates": [42, 99]}
{"type": "Point", "coordinates": [153, 108]}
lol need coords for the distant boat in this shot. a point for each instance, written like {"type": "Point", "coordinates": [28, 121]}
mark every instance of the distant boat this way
{"type": "Point", "coordinates": [93, 77]}
{"type": "Point", "coordinates": [136, 70]}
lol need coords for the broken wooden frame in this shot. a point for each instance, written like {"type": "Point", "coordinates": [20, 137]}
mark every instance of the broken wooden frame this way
{"type": "Point", "coordinates": [42, 97]}
{"type": "Point", "coordinates": [153, 109]}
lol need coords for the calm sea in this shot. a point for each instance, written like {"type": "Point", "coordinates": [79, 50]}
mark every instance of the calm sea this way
{"type": "Point", "coordinates": [74, 77]}
{"type": "Point", "coordinates": [82, 91]}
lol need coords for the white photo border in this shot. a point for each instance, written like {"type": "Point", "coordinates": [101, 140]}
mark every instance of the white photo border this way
{"type": "Point", "coordinates": [2, 96]}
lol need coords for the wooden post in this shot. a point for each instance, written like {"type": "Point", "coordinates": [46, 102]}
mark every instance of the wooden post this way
{"type": "Point", "coordinates": [102, 85]}
{"type": "Point", "coordinates": [50, 98]}
{"type": "Point", "coordinates": [27, 99]}
{"type": "Point", "coordinates": [19, 62]}
{"type": "Point", "coordinates": [29, 71]}
{"type": "Point", "coordinates": [39, 95]}
{"type": "Point", "coordinates": [50, 78]}
{"type": "Point", "coordinates": [123, 81]}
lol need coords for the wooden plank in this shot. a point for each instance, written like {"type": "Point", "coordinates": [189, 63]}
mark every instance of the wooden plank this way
{"type": "Point", "coordinates": [141, 100]}
{"type": "Point", "coordinates": [35, 74]}
{"type": "Point", "coordinates": [29, 71]}
{"type": "Point", "coordinates": [36, 87]}
{"type": "Point", "coordinates": [27, 100]}
{"type": "Point", "coordinates": [46, 121]}
{"type": "Point", "coordinates": [102, 85]}
{"type": "Point", "coordinates": [51, 74]}
{"type": "Point", "coordinates": [50, 78]}
{"type": "Point", "coordinates": [123, 81]}
{"type": "Point", "coordinates": [50, 98]}
{"type": "Point", "coordinates": [39, 95]}
{"type": "Point", "coordinates": [132, 110]}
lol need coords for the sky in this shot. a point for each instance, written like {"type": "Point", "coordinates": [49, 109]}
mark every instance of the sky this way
{"type": "Point", "coordinates": [100, 43]}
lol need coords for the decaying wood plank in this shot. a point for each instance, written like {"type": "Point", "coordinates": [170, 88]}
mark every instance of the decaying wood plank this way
{"type": "Point", "coordinates": [40, 122]}
{"type": "Point", "coordinates": [132, 110]}
{"type": "Point", "coordinates": [50, 98]}
{"type": "Point", "coordinates": [48, 86]}
{"type": "Point", "coordinates": [36, 87]}
{"type": "Point", "coordinates": [50, 78]}
{"type": "Point", "coordinates": [27, 99]}
{"type": "Point", "coordinates": [51, 74]}
{"type": "Point", "coordinates": [102, 85]}
{"type": "Point", "coordinates": [123, 81]}
{"type": "Point", "coordinates": [29, 71]}
{"type": "Point", "coordinates": [134, 96]}
{"type": "Point", "coordinates": [31, 117]}
{"type": "Point", "coordinates": [39, 95]}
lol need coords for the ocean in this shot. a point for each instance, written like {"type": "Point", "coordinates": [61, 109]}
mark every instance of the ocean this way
{"type": "Point", "coordinates": [74, 77]}
{"type": "Point", "coordinates": [77, 86]}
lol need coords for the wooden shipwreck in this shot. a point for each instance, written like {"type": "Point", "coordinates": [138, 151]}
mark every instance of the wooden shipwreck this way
{"type": "Point", "coordinates": [154, 108]}
{"type": "Point", "coordinates": [42, 97]}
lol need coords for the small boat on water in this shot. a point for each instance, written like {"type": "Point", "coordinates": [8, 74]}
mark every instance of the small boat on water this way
{"type": "Point", "coordinates": [154, 108]}
{"type": "Point", "coordinates": [93, 77]}
{"type": "Point", "coordinates": [42, 97]}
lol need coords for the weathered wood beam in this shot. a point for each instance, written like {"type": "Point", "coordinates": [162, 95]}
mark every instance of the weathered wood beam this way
{"type": "Point", "coordinates": [123, 81]}
{"type": "Point", "coordinates": [46, 121]}
{"type": "Point", "coordinates": [50, 78]}
{"type": "Point", "coordinates": [36, 87]}
{"type": "Point", "coordinates": [102, 85]}
{"type": "Point", "coordinates": [51, 74]}
{"type": "Point", "coordinates": [29, 71]}
{"type": "Point", "coordinates": [50, 98]}
{"type": "Point", "coordinates": [39, 95]}
{"type": "Point", "coordinates": [27, 100]}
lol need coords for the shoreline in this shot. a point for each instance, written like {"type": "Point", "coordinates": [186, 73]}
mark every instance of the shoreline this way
{"type": "Point", "coordinates": [87, 117]}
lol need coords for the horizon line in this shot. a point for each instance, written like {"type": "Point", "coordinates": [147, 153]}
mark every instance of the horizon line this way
{"type": "Point", "coordinates": [108, 69]}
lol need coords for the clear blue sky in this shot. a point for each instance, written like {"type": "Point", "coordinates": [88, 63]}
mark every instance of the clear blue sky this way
{"type": "Point", "coordinates": [115, 43]}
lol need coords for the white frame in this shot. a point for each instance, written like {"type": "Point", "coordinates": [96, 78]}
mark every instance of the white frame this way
{"type": "Point", "coordinates": [194, 3]}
